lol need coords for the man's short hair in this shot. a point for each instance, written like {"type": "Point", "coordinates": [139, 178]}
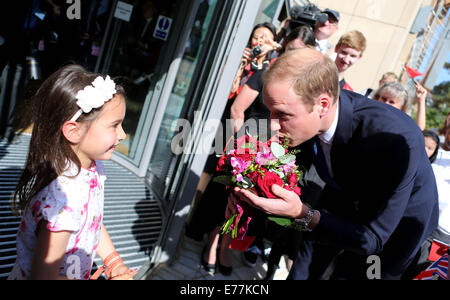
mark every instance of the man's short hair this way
{"type": "Point", "coordinates": [353, 39]}
{"type": "Point", "coordinates": [309, 71]}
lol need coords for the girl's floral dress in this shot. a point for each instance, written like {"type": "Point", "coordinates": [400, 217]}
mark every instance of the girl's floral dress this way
{"type": "Point", "coordinates": [68, 203]}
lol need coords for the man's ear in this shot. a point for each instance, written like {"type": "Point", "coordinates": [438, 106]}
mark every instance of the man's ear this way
{"type": "Point", "coordinates": [72, 131]}
{"type": "Point", "coordinates": [324, 103]}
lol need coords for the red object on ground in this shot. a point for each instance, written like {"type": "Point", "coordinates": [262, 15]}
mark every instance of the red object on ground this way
{"type": "Point", "coordinates": [241, 245]}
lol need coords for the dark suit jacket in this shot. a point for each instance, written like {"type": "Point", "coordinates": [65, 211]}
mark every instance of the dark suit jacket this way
{"type": "Point", "coordinates": [386, 203]}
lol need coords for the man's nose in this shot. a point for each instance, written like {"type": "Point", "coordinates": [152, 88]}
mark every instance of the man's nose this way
{"type": "Point", "coordinates": [275, 125]}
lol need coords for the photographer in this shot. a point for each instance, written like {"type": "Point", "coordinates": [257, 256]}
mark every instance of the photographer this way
{"type": "Point", "coordinates": [324, 30]}
{"type": "Point", "coordinates": [324, 23]}
{"type": "Point", "coordinates": [256, 55]}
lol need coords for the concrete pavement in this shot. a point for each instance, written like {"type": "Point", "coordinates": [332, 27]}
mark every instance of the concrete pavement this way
{"type": "Point", "coordinates": [187, 266]}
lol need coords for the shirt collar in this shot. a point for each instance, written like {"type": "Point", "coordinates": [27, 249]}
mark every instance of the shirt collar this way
{"type": "Point", "coordinates": [322, 44]}
{"type": "Point", "coordinates": [327, 136]}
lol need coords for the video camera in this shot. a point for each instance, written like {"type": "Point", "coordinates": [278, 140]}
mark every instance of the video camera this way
{"type": "Point", "coordinates": [309, 14]}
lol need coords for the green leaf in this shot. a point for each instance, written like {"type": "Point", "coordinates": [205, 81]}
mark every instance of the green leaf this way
{"type": "Point", "coordinates": [224, 179]}
{"type": "Point", "coordinates": [287, 158]}
{"type": "Point", "coordinates": [281, 221]}
{"type": "Point", "coordinates": [226, 226]}
{"type": "Point", "coordinates": [277, 150]}
{"type": "Point", "coordinates": [246, 183]}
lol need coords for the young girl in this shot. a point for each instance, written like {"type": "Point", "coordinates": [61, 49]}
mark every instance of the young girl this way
{"type": "Point", "coordinates": [77, 122]}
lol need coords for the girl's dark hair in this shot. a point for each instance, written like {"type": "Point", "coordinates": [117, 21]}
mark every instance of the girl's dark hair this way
{"type": "Point", "coordinates": [305, 33]}
{"type": "Point", "coordinates": [435, 137]}
{"type": "Point", "coordinates": [50, 153]}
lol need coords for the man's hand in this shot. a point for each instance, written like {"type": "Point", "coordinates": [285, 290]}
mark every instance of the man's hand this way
{"type": "Point", "coordinates": [288, 204]}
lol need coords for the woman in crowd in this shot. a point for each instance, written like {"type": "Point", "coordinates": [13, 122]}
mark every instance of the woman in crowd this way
{"type": "Point", "coordinates": [395, 94]}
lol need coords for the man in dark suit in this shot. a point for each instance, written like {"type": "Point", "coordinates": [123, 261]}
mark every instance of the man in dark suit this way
{"type": "Point", "coordinates": [380, 199]}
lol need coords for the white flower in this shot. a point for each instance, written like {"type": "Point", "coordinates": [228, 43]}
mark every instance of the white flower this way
{"type": "Point", "coordinates": [95, 95]}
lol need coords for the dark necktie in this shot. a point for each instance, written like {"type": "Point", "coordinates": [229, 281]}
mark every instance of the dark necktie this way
{"type": "Point", "coordinates": [321, 164]}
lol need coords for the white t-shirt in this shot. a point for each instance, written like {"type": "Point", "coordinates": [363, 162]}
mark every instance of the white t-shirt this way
{"type": "Point", "coordinates": [441, 168]}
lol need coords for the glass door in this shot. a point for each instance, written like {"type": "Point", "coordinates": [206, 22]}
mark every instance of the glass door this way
{"type": "Point", "coordinates": [163, 162]}
{"type": "Point", "coordinates": [139, 50]}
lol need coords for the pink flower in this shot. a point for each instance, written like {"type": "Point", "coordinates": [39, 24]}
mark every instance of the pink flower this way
{"type": "Point", "coordinates": [35, 210]}
{"type": "Point", "coordinates": [93, 183]}
{"type": "Point", "coordinates": [23, 226]}
{"type": "Point", "coordinates": [68, 209]}
{"type": "Point", "coordinates": [239, 165]}
{"type": "Point", "coordinates": [95, 225]}
{"type": "Point", "coordinates": [264, 156]}
{"type": "Point", "coordinates": [288, 168]}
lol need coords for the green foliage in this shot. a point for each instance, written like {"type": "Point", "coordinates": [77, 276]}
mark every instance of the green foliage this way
{"type": "Point", "coordinates": [440, 105]}
{"type": "Point", "coordinates": [435, 117]}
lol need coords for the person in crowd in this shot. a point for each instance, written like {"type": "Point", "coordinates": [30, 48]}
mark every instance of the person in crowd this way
{"type": "Point", "coordinates": [441, 168]}
{"type": "Point", "coordinates": [444, 125]}
{"type": "Point", "coordinates": [394, 94]}
{"type": "Point", "coordinates": [354, 143]}
{"type": "Point", "coordinates": [249, 105]}
{"type": "Point", "coordinates": [432, 144]}
{"type": "Point", "coordinates": [349, 51]}
{"type": "Point", "coordinates": [385, 78]}
{"type": "Point", "coordinates": [263, 35]}
{"type": "Point", "coordinates": [209, 213]}
{"type": "Point", "coordinates": [440, 239]}
{"type": "Point", "coordinates": [60, 193]}
{"type": "Point", "coordinates": [323, 31]}
{"type": "Point", "coordinates": [245, 102]}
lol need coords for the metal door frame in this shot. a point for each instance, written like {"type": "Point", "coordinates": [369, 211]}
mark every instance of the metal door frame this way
{"type": "Point", "coordinates": [162, 89]}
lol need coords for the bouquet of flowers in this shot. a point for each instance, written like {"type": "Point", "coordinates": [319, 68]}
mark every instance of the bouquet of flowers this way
{"type": "Point", "coordinates": [256, 166]}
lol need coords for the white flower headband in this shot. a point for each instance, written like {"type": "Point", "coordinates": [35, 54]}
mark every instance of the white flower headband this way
{"type": "Point", "coordinates": [95, 95]}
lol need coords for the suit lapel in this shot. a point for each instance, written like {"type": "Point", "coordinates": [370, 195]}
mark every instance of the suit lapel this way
{"type": "Point", "coordinates": [344, 129]}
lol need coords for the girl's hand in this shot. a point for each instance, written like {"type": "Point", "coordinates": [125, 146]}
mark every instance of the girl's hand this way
{"type": "Point", "coordinates": [122, 272]}
{"type": "Point", "coordinates": [231, 206]}
{"type": "Point", "coordinates": [128, 275]}
{"type": "Point", "coordinates": [246, 56]}
{"type": "Point", "coordinates": [119, 270]}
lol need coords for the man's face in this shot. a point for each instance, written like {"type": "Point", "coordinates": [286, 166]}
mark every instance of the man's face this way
{"type": "Point", "coordinates": [346, 57]}
{"type": "Point", "coordinates": [290, 117]}
{"type": "Point", "coordinates": [328, 28]}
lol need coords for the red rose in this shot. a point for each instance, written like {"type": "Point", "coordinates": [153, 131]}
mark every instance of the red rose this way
{"type": "Point", "coordinates": [245, 156]}
{"type": "Point", "coordinates": [222, 164]}
{"type": "Point", "coordinates": [294, 189]}
{"type": "Point", "coordinates": [265, 183]}
{"type": "Point", "coordinates": [292, 180]}
{"type": "Point", "coordinates": [253, 176]}
{"type": "Point", "coordinates": [297, 190]}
